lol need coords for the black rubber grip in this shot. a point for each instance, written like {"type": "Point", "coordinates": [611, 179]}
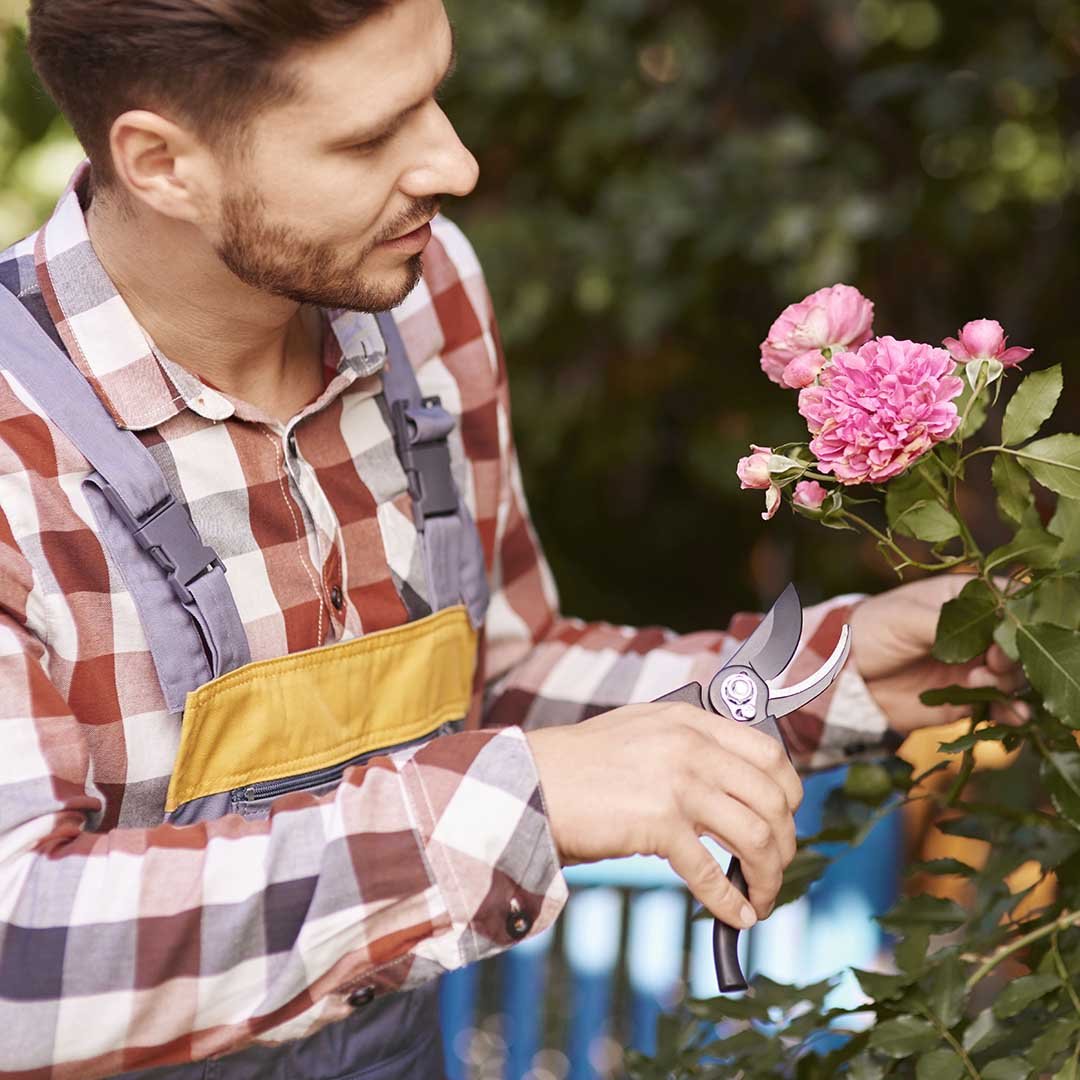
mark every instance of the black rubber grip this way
{"type": "Point", "coordinates": [726, 941]}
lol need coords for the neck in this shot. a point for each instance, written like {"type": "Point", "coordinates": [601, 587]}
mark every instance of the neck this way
{"type": "Point", "coordinates": [259, 348]}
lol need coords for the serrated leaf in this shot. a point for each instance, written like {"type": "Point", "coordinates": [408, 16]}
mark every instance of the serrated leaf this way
{"type": "Point", "coordinates": [1020, 993]}
{"type": "Point", "coordinates": [1055, 463]}
{"type": "Point", "coordinates": [1066, 524]}
{"type": "Point", "coordinates": [1013, 486]}
{"type": "Point", "coordinates": [940, 1065]}
{"type": "Point", "coordinates": [927, 520]}
{"type": "Point", "coordinates": [1057, 601]}
{"type": "Point", "coordinates": [947, 992]}
{"type": "Point", "coordinates": [1051, 658]}
{"type": "Point", "coordinates": [806, 868]}
{"type": "Point", "coordinates": [904, 1036]}
{"type": "Point", "coordinates": [1058, 1035]}
{"type": "Point", "coordinates": [911, 950]}
{"type": "Point", "coordinates": [1010, 1068]}
{"type": "Point", "coordinates": [1032, 546]}
{"type": "Point", "coordinates": [983, 1032]}
{"type": "Point", "coordinates": [1060, 772]}
{"type": "Point", "coordinates": [864, 1067]}
{"type": "Point", "coordinates": [882, 987]}
{"type": "Point", "coordinates": [1032, 405]}
{"type": "Point", "coordinates": [966, 626]}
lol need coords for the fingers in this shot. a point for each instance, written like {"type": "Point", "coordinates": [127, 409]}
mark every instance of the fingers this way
{"type": "Point", "coordinates": [705, 878]}
{"type": "Point", "coordinates": [755, 748]}
{"type": "Point", "coordinates": [764, 847]}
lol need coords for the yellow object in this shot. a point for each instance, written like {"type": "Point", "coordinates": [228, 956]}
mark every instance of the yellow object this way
{"type": "Point", "coordinates": [311, 710]}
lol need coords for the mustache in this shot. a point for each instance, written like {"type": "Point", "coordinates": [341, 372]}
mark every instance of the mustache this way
{"type": "Point", "coordinates": [421, 211]}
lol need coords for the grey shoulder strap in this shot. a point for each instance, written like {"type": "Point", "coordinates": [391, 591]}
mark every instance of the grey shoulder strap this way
{"type": "Point", "coordinates": [148, 533]}
{"type": "Point", "coordinates": [453, 552]}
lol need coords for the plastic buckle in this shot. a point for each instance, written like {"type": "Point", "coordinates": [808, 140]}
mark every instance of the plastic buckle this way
{"type": "Point", "coordinates": [169, 537]}
{"type": "Point", "coordinates": [426, 462]}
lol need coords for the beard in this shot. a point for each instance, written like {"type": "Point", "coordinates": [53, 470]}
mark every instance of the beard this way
{"type": "Point", "coordinates": [278, 259]}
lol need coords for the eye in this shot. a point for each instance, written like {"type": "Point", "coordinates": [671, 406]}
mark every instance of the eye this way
{"type": "Point", "coordinates": [373, 145]}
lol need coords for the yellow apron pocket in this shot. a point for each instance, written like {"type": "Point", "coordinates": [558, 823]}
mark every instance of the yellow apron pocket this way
{"type": "Point", "coordinates": [309, 711]}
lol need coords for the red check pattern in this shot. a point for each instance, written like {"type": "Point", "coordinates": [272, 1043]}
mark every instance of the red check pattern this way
{"type": "Point", "coordinates": [127, 943]}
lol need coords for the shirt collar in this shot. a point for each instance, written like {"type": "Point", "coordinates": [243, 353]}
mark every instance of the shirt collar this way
{"type": "Point", "coordinates": [139, 386]}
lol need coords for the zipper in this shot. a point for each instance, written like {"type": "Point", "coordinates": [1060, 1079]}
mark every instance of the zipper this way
{"type": "Point", "coordinates": [272, 789]}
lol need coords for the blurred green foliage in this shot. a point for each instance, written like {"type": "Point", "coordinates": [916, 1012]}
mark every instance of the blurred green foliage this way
{"type": "Point", "coordinates": [659, 178]}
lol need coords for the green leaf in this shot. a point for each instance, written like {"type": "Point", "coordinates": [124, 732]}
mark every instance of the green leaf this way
{"type": "Point", "coordinates": [806, 868]}
{"type": "Point", "coordinates": [927, 520]}
{"type": "Point", "coordinates": [1010, 1068]}
{"type": "Point", "coordinates": [945, 986]}
{"type": "Point", "coordinates": [864, 1067]}
{"type": "Point", "coordinates": [1051, 658]}
{"type": "Point", "coordinates": [1058, 1035]}
{"type": "Point", "coordinates": [868, 783]}
{"type": "Point", "coordinates": [1060, 774]}
{"type": "Point", "coordinates": [904, 1036]}
{"type": "Point", "coordinates": [1055, 463]}
{"type": "Point", "coordinates": [1057, 600]}
{"type": "Point", "coordinates": [961, 695]}
{"type": "Point", "coordinates": [991, 733]}
{"type": "Point", "coordinates": [882, 987]}
{"type": "Point", "coordinates": [1020, 993]}
{"type": "Point", "coordinates": [966, 626]}
{"type": "Point", "coordinates": [1032, 405]}
{"type": "Point", "coordinates": [932, 912]}
{"type": "Point", "coordinates": [944, 868]}
{"type": "Point", "coordinates": [1069, 1071]}
{"type": "Point", "coordinates": [1032, 546]}
{"type": "Point", "coordinates": [911, 950]}
{"type": "Point", "coordinates": [1066, 524]}
{"type": "Point", "coordinates": [983, 1032]}
{"type": "Point", "coordinates": [940, 1065]}
{"type": "Point", "coordinates": [1013, 487]}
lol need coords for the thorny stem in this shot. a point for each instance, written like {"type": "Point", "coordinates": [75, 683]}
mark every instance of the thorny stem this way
{"type": "Point", "coordinates": [887, 541]}
{"type": "Point", "coordinates": [1063, 922]}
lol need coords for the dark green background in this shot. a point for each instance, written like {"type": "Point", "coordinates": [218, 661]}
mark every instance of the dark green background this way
{"type": "Point", "coordinates": [658, 181]}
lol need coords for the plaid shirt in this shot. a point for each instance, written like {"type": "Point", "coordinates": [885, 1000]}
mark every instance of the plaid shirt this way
{"type": "Point", "coordinates": [125, 942]}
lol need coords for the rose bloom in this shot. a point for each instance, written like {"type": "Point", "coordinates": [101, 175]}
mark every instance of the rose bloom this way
{"type": "Point", "coordinates": [985, 339]}
{"type": "Point", "coordinates": [835, 319]}
{"type": "Point", "coordinates": [809, 494]}
{"type": "Point", "coordinates": [754, 475]}
{"type": "Point", "coordinates": [879, 410]}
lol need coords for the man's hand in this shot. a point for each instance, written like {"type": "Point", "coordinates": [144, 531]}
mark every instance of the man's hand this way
{"type": "Point", "coordinates": [892, 635]}
{"type": "Point", "coordinates": [653, 779]}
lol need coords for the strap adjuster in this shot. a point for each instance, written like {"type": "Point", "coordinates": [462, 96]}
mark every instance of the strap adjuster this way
{"type": "Point", "coordinates": [169, 537]}
{"type": "Point", "coordinates": [420, 435]}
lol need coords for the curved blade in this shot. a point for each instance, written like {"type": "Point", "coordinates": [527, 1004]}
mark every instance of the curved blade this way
{"type": "Point", "coordinates": [769, 649]}
{"type": "Point", "coordinates": [789, 698]}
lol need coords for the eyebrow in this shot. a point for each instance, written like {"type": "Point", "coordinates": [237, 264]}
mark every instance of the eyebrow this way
{"type": "Point", "coordinates": [389, 127]}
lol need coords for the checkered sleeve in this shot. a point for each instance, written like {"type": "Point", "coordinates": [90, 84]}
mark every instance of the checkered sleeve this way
{"type": "Point", "coordinates": [131, 948]}
{"type": "Point", "coordinates": [543, 669]}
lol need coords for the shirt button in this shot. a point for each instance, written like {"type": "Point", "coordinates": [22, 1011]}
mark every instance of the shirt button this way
{"type": "Point", "coordinates": [337, 598]}
{"type": "Point", "coordinates": [518, 922]}
{"type": "Point", "coordinates": [359, 998]}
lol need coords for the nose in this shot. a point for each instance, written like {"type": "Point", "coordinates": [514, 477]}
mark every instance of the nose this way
{"type": "Point", "coordinates": [446, 166]}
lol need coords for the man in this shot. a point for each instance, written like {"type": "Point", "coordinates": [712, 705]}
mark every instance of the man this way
{"type": "Point", "coordinates": [262, 176]}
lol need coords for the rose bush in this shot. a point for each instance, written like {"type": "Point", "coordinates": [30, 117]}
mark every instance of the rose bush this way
{"type": "Point", "coordinates": [990, 990]}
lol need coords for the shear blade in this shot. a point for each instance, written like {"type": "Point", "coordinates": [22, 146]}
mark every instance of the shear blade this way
{"type": "Point", "coordinates": [787, 699]}
{"type": "Point", "coordinates": [769, 649]}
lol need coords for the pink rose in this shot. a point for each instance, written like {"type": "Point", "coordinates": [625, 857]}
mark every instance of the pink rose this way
{"type": "Point", "coordinates": [809, 494]}
{"type": "Point", "coordinates": [753, 471]}
{"type": "Point", "coordinates": [877, 411]}
{"type": "Point", "coordinates": [984, 339]}
{"type": "Point", "coordinates": [754, 475]}
{"type": "Point", "coordinates": [807, 334]}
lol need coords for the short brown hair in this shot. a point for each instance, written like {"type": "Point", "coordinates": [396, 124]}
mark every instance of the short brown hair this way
{"type": "Point", "coordinates": [212, 62]}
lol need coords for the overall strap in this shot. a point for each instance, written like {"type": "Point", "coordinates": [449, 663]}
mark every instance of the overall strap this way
{"type": "Point", "coordinates": [177, 583]}
{"type": "Point", "coordinates": [452, 550]}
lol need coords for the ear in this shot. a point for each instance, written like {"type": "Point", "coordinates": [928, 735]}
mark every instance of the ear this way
{"type": "Point", "coordinates": [163, 165]}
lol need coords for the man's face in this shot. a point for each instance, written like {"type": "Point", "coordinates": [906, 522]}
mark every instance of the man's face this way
{"type": "Point", "coordinates": [314, 208]}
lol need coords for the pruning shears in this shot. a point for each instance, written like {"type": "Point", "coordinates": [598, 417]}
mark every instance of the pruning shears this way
{"type": "Point", "coordinates": [745, 691]}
